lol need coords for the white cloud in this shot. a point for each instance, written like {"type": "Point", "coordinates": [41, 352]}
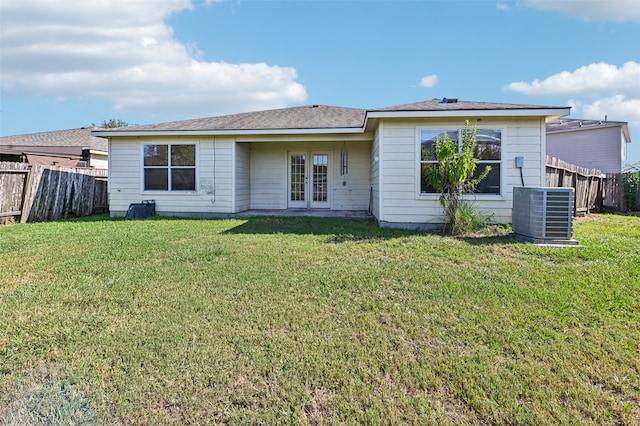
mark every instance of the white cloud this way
{"type": "Point", "coordinates": [615, 108]}
{"type": "Point", "coordinates": [592, 79]}
{"type": "Point", "coordinates": [429, 81]}
{"type": "Point", "coordinates": [599, 90]}
{"type": "Point", "coordinates": [591, 10]}
{"type": "Point", "coordinates": [502, 6]}
{"type": "Point", "coordinates": [122, 52]}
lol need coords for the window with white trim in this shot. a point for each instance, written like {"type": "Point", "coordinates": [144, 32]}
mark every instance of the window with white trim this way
{"type": "Point", "coordinates": [488, 151]}
{"type": "Point", "coordinates": [169, 167]}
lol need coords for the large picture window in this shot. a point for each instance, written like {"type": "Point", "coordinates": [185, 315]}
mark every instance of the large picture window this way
{"type": "Point", "coordinates": [169, 167]}
{"type": "Point", "coordinates": [488, 152]}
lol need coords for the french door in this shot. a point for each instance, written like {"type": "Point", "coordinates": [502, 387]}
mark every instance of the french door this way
{"type": "Point", "coordinates": [308, 180]}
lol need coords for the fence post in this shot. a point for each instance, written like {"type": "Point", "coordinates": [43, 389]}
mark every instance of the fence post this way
{"type": "Point", "coordinates": [601, 195]}
{"type": "Point", "coordinates": [31, 187]}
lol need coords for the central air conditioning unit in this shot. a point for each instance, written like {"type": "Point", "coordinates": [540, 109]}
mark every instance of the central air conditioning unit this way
{"type": "Point", "coordinates": [543, 215]}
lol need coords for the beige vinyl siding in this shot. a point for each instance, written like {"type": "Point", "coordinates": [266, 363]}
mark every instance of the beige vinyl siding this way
{"type": "Point", "coordinates": [269, 173]}
{"type": "Point", "coordinates": [524, 138]}
{"type": "Point", "coordinates": [375, 175]}
{"type": "Point", "coordinates": [268, 176]}
{"type": "Point", "coordinates": [217, 173]}
{"type": "Point", "coordinates": [124, 175]}
{"type": "Point", "coordinates": [214, 178]}
{"type": "Point", "coordinates": [400, 204]}
{"type": "Point", "coordinates": [243, 177]}
{"type": "Point", "coordinates": [351, 191]}
{"type": "Point", "coordinates": [602, 149]}
{"type": "Point", "coordinates": [402, 201]}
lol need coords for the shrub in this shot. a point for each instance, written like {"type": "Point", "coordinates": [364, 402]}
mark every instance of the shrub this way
{"type": "Point", "coordinates": [631, 186]}
{"type": "Point", "coordinates": [466, 217]}
{"type": "Point", "coordinates": [453, 177]}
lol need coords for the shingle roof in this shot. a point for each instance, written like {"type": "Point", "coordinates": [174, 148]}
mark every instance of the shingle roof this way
{"type": "Point", "coordinates": [312, 117]}
{"type": "Point", "coordinates": [304, 117]}
{"type": "Point", "coordinates": [576, 124]}
{"type": "Point", "coordinates": [59, 140]}
{"type": "Point", "coordinates": [456, 105]}
{"type": "Point", "coordinates": [567, 124]}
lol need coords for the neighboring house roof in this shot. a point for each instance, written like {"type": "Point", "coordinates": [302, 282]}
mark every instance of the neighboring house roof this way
{"type": "Point", "coordinates": [575, 124]}
{"type": "Point", "coordinates": [329, 119]}
{"type": "Point", "coordinates": [61, 147]}
{"type": "Point", "coordinates": [67, 142]}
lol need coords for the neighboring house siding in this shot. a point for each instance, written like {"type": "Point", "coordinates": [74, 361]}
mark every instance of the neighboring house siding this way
{"type": "Point", "coordinates": [404, 204]}
{"type": "Point", "coordinates": [214, 178]}
{"type": "Point", "coordinates": [603, 149]}
{"type": "Point", "coordinates": [269, 173]}
{"type": "Point", "coordinates": [99, 161]}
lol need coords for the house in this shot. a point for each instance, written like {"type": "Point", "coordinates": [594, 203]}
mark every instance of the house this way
{"type": "Point", "coordinates": [66, 148]}
{"type": "Point", "coordinates": [593, 144]}
{"type": "Point", "coordinates": [323, 157]}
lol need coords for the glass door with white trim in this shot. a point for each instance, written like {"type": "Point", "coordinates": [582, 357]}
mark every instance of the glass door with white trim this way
{"type": "Point", "coordinates": [308, 180]}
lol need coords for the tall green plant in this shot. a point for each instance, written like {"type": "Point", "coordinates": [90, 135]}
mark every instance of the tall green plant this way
{"type": "Point", "coordinates": [453, 177]}
{"type": "Point", "coordinates": [631, 186]}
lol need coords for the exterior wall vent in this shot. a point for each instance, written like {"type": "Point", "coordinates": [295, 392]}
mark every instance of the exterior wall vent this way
{"type": "Point", "coordinates": [543, 215]}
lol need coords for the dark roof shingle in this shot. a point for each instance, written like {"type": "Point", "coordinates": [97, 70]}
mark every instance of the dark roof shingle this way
{"type": "Point", "coordinates": [567, 124]}
{"type": "Point", "coordinates": [303, 117]}
{"type": "Point", "coordinates": [311, 117]}
{"type": "Point", "coordinates": [456, 105]}
{"type": "Point", "coordinates": [63, 139]}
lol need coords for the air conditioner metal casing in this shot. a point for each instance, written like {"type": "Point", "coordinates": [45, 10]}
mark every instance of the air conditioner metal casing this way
{"type": "Point", "coordinates": [543, 215]}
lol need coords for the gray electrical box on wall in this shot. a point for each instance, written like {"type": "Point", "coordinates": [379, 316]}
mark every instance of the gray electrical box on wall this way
{"type": "Point", "coordinates": [520, 162]}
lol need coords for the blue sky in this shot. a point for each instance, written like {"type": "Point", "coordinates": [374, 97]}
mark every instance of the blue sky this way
{"type": "Point", "coordinates": [69, 63]}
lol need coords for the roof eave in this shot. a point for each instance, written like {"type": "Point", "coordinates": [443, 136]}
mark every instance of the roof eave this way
{"type": "Point", "coordinates": [605, 125]}
{"type": "Point", "coordinates": [626, 134]}
{"type": "Point", "coordinates": [539, 112]}
{"type": "Point", "coordinates": [550, 114]}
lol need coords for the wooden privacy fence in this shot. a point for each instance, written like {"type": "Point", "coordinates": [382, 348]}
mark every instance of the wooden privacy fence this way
{"type": "Point", "coordinates": [614, 193]}
{"type": "Point", "coordinates": [588, 184]}
{"type": "Point", "coordinates": [42, 193]}
{"type": "Point", "coordinates": [12, 180]}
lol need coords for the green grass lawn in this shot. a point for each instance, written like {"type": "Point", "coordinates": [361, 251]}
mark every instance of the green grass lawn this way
{"type": "Point", "coordinates": [316, 321]}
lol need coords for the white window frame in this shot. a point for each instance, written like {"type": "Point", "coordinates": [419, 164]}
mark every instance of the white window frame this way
{"type": "Point", "coordinates": [476, 196]}
{"type": "Point", "coordinates": [169, 190]}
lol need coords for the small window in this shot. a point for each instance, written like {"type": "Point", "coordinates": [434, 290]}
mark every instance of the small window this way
{"type": "Point", "coordinates": [488, 150]}
{"type": "Point", "coordinates": [428, 158]}
{"type": "Point", "coordinates": [489, 153]}
{"type": "Point", "coordinates": [170, 167]}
